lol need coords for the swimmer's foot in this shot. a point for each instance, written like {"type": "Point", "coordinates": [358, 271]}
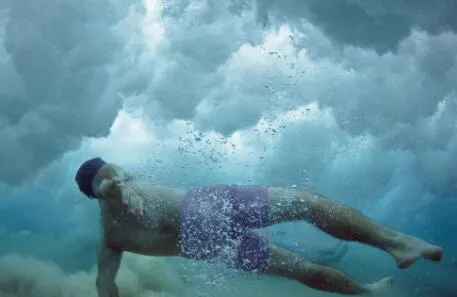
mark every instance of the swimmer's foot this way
{"type": "Point", "coordinates": [412, 249]}
{"type": "Point", "coordinates": [380, 287]}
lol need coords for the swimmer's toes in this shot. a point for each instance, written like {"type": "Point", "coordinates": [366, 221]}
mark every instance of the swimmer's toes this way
{"type": "Point", "coordinates": [381, 286]}
{"type": "Point", "coordinates": [404, 263]}
{"type": "Point", "coordinates": [434, 253]}
{"type": "Point", "coordinates": [388, 280]}
{"type": "Point", "coordinates": [407, 257]}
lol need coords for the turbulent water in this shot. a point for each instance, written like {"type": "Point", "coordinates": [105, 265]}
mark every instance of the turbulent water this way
{"type": "Point", "coordinates": [355, 99]}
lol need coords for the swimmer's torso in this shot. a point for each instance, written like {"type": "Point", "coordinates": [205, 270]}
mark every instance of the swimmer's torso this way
{"type": "Point", "coordinates": [155, 232]}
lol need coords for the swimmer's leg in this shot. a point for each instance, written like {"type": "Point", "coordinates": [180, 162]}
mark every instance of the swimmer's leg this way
{"type": "Point", "coordinates": [347, 224]}
{"type": "Point", "coordinates": [287, 264]}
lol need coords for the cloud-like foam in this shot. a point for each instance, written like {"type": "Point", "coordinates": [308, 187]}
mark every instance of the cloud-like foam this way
{"type": "Point", "coordinates": [398, 103]}
{"type": "Point", "coordinates": [271, 70]}
{"type": "Point", "coordinates": [175, 52]}
{"type": "Point", "coordinates": [54, 86]}
{"type": "Point", "coordinates": [217, 66]}
{"type": "Point", "coordinates": [138, 276]}
{"type": "Point", "coordinates": [370, 24]}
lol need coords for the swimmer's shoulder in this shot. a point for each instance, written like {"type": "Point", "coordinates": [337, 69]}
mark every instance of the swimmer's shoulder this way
{"type": "Point", "coordinates": [166, 192]}
{"type": "Point", "coordinates": [131, 179]}
{"type": "Point", "coordinates": [149, 189]}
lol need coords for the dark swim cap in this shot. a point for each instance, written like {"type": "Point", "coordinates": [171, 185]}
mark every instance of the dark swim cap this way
{"type": "Point", "coordinates": [86, 174]}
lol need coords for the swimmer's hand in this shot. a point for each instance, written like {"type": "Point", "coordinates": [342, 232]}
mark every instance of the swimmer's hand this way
{"type": "Point", "coordinates": [116, 189]}
{"type": "Point", "coordinates": [109, 189]}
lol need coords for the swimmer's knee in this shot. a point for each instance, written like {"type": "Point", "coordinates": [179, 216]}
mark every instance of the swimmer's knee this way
{"type": "Point", "coordinates": [289, 204]}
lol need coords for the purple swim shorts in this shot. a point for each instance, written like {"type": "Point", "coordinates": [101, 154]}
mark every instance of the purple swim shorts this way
{"type": "Point", "coordinates": [216, 223]}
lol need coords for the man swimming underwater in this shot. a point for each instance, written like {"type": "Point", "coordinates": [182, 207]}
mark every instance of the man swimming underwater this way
{"type": "Point", "coordinates": [215, 223]}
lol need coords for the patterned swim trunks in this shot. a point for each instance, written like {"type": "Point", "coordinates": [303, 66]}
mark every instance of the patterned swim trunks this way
{"type": "Point", "coordinates": [216, 225]}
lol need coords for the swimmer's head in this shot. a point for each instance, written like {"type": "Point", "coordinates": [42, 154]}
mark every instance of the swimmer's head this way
{"type": "Point", "coordinates": [86, 173]}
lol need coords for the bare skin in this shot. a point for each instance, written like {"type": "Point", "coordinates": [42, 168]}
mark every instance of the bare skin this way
{"type": "Point", "coordinates": [143, 218]}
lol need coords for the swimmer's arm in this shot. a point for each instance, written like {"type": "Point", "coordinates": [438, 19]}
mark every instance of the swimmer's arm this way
{"type": "Point", "coordinates": [109, 261]}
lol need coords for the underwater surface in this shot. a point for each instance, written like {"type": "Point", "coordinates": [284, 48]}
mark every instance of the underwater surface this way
{"type": "Point", "coordinates": [354, 99]}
